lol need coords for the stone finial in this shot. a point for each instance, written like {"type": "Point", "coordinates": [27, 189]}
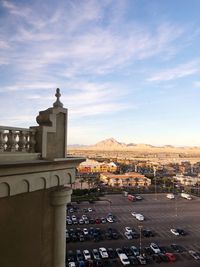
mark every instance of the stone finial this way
{"type": "Point", "coordinates": [57, 103]}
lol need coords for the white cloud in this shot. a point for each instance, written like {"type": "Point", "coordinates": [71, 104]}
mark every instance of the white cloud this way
{"type": "Point", "coordinates": [180, 71]}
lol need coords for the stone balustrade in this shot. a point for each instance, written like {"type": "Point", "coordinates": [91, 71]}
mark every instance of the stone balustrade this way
{"type": "Point", "coordinates": [14, 139]}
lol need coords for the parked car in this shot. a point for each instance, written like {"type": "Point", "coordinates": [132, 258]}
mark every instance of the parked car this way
{"type": "Point", "coordinates": [141, 260]}
{"type": "Point", "coordinates": [111, 253]}
{"type": "Point", "coordinates": [95, 254]}
{"type": "Point", "coordinates": [79, 255]}
{"type": "Point", "coordinates": [194, 254]}
{"type": "Point", "coordinates": [128, 229]}
{"type": "Point", "coordinates": [147, 233]}
{"type": "Point", "coordinates": [85, 231]}
{"type": "Point", "coordinates": [128, 235]}
{"type": "Point", "coordinates": [171, 257]}
{"type": "Point", "coordinates": [174, 231]}
{"type": "Point", "coordinates": [103, 252]}
{"type": "Point", "coordinates": [177, 248]}
{"type": "Point", "coordinates": [163, 257]}
{"type": "Point", "coordinates": [124, 259]}
{"type": "Point", "coordinates": [81, 221]}
{"type": "Point", "coordinates": [90, 209]}
{"type": "Point", "coordinates": [135, 251]}
{"type": "Point", "coordinates": [133, 213]}
{"type": "Point", "coordinates": [110, 219]}
{"type": "Point", "coordinates": [86, 254]}
{"type": "Point", "coordinates": [181, 231]}
{"type": "Point", "coordinates": [139, 217]}
{"type": "Point", "coordinates": [155, 248]}
{"type": "Point", "coordinates": [103, 220]}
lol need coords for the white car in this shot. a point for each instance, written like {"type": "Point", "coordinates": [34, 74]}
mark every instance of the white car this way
{"type": "Point", "coordinates": [170, 196]}
{"type": "Point", "coordinates": [86, 254]}
{"type": "Point", "coordinates": [139, 217]}
{"type": "Point", "coordinates": [103, 252]}
{"type": "Point", "coordinates": [72, 264]}
{"type": "Point", "coordinates": [124, 259]}
{"type": "Point", "coordinates": [128, 235]}
{"type": "Point", "coordinates": [155, 248]}
{"type": "Point", "coordinates": [128, 229]}
{"type": "Point", "coordinates": [133, 213]}
{"type": "Point", "coordinates": [194, 254]}
{"type": "Point", "coordinates": [174, 231]}
{"type": "Point", "coordinates": [90, 209]}
{"type": "Point", "coordinates": [73, 218]}
{"type": "Point", "coordinates": [84, 217]}
{"type": "Point", "coordinates": [85, 231]}
{"type": "Point", "coordinates": [110, 220]}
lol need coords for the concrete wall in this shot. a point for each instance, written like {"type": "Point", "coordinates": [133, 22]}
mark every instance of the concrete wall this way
{"type": "Point", "coordinates": [26, 230]}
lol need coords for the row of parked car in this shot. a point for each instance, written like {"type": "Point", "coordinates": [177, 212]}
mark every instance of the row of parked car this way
{"type": "Point", "coordinates": [84, 219]}
{"type": "Point", "coordinates": [95, 234]}
{"type": "Point", "coordinates": [125, 255]}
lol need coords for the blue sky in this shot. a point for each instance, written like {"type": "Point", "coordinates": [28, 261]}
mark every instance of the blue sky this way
{"type": "Point", "coordinates": [128, 69]}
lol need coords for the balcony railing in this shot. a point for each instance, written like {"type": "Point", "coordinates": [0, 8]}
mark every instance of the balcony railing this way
{"type": "Point", "coordinates": [14, 139]}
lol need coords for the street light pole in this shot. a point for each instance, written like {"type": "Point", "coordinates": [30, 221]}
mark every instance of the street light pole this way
{"type": "Point", "coordinates": [140, 228]}
{"type": "Point", "coordinates": [154, 172]}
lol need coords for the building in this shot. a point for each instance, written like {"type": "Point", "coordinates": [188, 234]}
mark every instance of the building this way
{"type": "Point", "coordinates": [186, 180]}
{"type": "Point", "coordinates": [35, 186]}
{"type": "Point", "coordinates": [127, 179]}
{"type": "Point", "coordinates": [92, 166]}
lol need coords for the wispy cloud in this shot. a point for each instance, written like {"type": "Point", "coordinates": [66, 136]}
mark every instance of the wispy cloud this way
{"type": "Point", "coordinates": [180, 71]}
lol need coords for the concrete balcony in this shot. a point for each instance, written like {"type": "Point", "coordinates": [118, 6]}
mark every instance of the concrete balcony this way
{"type": "Point", "coordinates": [36, 176]}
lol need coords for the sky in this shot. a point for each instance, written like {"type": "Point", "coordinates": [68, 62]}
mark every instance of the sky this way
{"type": "Point", "coordinates": [127, 69]}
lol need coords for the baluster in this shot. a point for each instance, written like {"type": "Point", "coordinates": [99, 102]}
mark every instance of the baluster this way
{"type": "Point", "coordinates": [2, 141]}
{"type": "Point", "coordinates": [32, 142]}
{"type": "Point", "coordinates": [11, 143]}
{"type": "Point", "coordinates": [26, 139]}
{"type": "Point", "coordinates": [22, 141]}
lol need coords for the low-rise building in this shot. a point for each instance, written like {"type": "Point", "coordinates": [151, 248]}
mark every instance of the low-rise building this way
{"type": "Point", "coordinates": [186, 180]}
{"type": "Point", "coordinates": [127, 179]}
{"type": "Point", "coordinates": [91, 166]}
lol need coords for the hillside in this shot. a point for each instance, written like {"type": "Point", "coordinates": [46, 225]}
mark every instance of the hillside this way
{"type": "Point", "coordinates": [112, 144]}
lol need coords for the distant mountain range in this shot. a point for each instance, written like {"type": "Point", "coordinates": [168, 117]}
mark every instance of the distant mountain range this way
{"type": "Point", "coordinates": [112, 144]}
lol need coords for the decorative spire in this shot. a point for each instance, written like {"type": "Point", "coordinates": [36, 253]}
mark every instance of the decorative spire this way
{"type": "Point", "coordinates": [57, 103]}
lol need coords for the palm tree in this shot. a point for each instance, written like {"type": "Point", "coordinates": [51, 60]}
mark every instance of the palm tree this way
{"type": "Point", "coordinates": [136, 181]}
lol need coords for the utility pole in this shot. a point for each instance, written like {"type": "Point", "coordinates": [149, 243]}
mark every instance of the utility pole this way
{"type": "Point", "coordinates": [140, 228]}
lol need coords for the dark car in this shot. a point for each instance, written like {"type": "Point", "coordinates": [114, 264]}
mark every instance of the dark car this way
{"type": "Point", "coordinates": [148, 251]}
{"type": "Point", "coordinates": [163, 257]}
{"type": "Point", "coordinates": [70, 256]}
{"type": "Point", "coordinates": [111, 253]}
{"type": "Point", "coordinates": [128, 251]}
{"type": "Point", "coordinates": [177, 248]}
{"type": "Point", "coordinates": [135, 234]}
{"type": "Point", "coordinates": [79, 255]}
{"type": "Point", "coordinates": [133, 260]}
{"type": "Point", "coordinates": [91, 221]}
{"type": "Point", "coordinates": [147, 233]}
{"type": "Point", "coordinates": [156, 258]}
{"type": "Point", "coordinates": [181, 231]}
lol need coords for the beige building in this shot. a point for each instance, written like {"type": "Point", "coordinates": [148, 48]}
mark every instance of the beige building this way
{"type": "Point", "coordinates": [92, 166]}
{"type": "Point", "coordinates": [35, 185]}
{"type": "Point", "coordinates": [127, 179]}
{"type": "Point", "coordinates": [186, 180]}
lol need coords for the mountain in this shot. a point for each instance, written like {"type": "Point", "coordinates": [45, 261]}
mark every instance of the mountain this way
{"type": "Point", "coordinates": [112, 144]}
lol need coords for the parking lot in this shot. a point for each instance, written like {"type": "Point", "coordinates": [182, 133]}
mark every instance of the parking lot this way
{"type": "Point", "coordinates": [160, 213]}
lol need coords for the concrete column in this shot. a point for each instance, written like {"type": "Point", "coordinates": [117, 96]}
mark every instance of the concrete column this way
{"type": "Point", "coordinates": [59, 199]}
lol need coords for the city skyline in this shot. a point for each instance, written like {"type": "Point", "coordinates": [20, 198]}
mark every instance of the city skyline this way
{"type": "Point", "coordinates": [126, 69]}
